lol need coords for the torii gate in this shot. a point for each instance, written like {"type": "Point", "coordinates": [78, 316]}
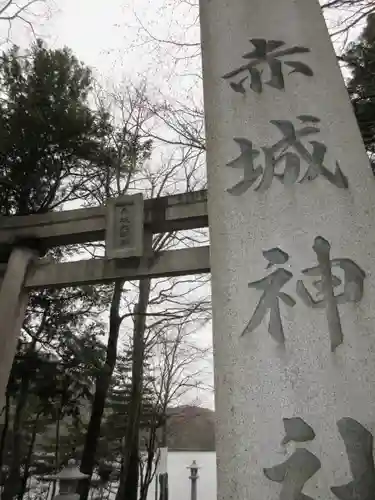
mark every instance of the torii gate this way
{"type": "Point", "coordinates": [291, 204]}
{"type": "Point", "coordinates": [122, 224]}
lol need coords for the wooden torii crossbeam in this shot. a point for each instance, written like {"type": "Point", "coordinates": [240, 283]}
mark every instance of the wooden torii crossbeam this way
{"type": "Point", "coordinates": [22, 268]}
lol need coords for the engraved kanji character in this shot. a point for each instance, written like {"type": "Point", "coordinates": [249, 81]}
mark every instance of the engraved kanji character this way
{"type": "Point", "coordinates": [294, 474]}
{"type": "Point", "coordinates": [270, 52]}
{"type": "Point", "coordinates": [271, 286]}
{"type": "Point", "coordinates": [246, 162]}
{"type": "Point", "coordinates": [300, 466]}
{"type": "Point", "coordinates": [353, 287]}
{"type": "Point", "coordinates": [289, 151]}
{"type": "Point", "coordinates": [359, 449]}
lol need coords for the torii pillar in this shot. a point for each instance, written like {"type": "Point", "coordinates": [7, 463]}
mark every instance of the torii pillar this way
{"type": "Point", "coordinates": [13, 303]}
{"type": "Point", "coordinates": [291, 202]}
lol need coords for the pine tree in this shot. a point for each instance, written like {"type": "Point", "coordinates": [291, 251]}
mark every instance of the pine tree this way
{"type": "Point", "coordinates": [50, 139]}
{"type": "Point", "coordinates": [51, 144]}
{"type": "Point", "coordinates": [360, 59]}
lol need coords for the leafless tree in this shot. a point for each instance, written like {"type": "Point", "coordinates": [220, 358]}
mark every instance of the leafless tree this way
{"type": "Point", "coordinates": [129, 152]}
{"type": "Point", "coordinates": [179, 368]}
{"type": "Point", "coordinates": [177, 123]}
{"type": "Point", "coordinates": [139, 311]}
{"type": "Point", "coordinates": [26, 13]}
{"type": "Point", "coordinates": [156, 305]}
{"type": "Point", "coordinates": [346, 16]}
{"type": "Point", "coordinates": [180, 49]}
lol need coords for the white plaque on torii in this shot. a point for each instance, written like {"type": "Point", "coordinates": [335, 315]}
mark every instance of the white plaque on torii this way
{"type": "Point", "coordinates": [124, 227]}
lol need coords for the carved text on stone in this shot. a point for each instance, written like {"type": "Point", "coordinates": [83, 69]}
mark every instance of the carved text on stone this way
{"type": "Point", "coordinates": [325, 286]}
{"type": "Point", "coordinates": [270, 53]}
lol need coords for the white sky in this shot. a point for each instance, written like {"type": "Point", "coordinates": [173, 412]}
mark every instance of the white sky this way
{"type": "Point", "coordinates": [107, 35]}
{"type": "Point", "coordinates": [110, 40]}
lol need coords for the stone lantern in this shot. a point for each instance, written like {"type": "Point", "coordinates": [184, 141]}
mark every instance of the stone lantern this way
{"type": "Point", "coordinates": [193, 478]}
{"type": "Point", "coordinates": [68, 480]}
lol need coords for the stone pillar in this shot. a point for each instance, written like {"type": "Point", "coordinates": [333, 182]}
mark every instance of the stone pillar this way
{"type": "Point", "coordinates": [162, 469]}
{"type": "Point", "coordinates": [13, 303]}
{"type": "Point", "coordinates": [291, 201]}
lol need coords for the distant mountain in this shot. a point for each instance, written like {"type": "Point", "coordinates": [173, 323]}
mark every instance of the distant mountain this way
{"type": "Point", "coordinates": [191, 428]}
{"type": "Point", "coordinates": [188, 428]}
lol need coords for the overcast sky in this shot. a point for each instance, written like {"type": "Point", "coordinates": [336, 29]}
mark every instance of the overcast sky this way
{"type": "Point", "coordinates": [106, 36]}
{"type": "Point", "coordinates": [115, 38]}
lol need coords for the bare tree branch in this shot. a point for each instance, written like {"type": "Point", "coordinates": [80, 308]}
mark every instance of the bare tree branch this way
{"type": "Point", "coordinates": [26, 12]}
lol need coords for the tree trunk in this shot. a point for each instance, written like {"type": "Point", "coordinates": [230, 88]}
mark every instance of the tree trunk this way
{"type": "Point", "coordinates": [102, 384]}
{"type": "Point", "coordinates": [149, 472]}
{"type": "Point", "coordinates": [128, 487]}
{"type": "Point", "coordinates": [4, 432]}
{"type": "Point", "coordinates": [12, 483]}
{"type": "Point", "coordinates": [26, 472]}
{"type": "Point", "coordinates": [59, 416]}
{"type": "Point", "coordinates": [132, 477]}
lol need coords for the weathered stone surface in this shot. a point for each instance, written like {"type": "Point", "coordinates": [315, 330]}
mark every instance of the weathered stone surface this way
{"type": "Point", "coordinates": [167, 213]}
{"type": "Point", "coordinates": [287, 171]}
{"type": "Point", "coordinates": [185, 261]}
{"type": "Point", "coordinates": [124, 231]}
{"type": "Point", "coordinates": [13, 302]}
